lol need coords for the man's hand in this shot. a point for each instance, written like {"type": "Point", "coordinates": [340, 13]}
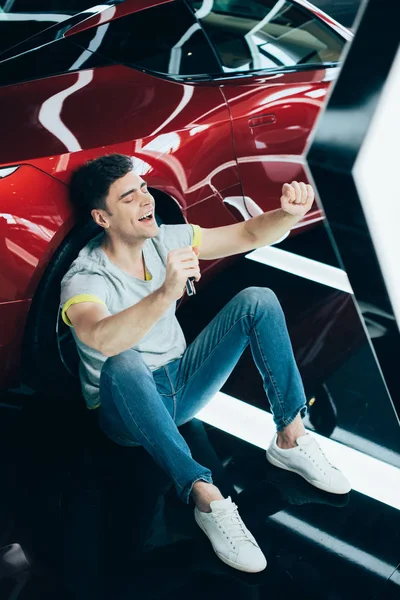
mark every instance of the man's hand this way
{"type": "Point", "coordinates": [182, 263]}
{"type": "Point", "coordinates": [297, 198]}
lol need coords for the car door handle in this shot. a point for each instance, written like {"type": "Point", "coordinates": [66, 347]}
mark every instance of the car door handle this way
{"type": "Point", "coordinates": [259, 120]}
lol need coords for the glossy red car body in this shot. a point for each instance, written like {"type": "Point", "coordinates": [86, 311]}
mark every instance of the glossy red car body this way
{"type": "Point", "coordinates": [203, 145]}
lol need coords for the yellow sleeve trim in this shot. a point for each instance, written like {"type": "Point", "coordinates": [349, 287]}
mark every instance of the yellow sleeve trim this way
{"type": "Point", "coordinates": [197, 235]}
{"type": "Point", "coordinates": [76, 300]}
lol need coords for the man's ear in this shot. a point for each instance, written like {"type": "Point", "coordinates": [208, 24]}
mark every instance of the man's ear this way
{"type": "Point", "coordinates": [99, 218]}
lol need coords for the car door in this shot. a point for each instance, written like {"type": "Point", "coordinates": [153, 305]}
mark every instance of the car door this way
{"type": "Point", "coordinates": [278, 60]}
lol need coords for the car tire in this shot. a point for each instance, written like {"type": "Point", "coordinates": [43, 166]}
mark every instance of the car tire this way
{"type": "Point", "coordinates": [42, 366]}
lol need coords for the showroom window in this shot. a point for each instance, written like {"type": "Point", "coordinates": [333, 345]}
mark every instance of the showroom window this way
{"type": "Point", "coordinates": [266, 34]}
{"type": "Point", "coordinates": [165, 39]}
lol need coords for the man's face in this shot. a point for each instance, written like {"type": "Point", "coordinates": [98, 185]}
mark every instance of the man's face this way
{"type": "Point", "coordinates": [129, 201]}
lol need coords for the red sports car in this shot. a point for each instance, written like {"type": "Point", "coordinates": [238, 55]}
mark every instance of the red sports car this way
{"type": "Point", "coordinates": [215, 100]}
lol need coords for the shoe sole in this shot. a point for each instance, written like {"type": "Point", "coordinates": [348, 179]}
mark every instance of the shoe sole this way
{"type": "Point", "coordinates": [277, 463]}
{"type": "Point", "coordinates": [223, 558]}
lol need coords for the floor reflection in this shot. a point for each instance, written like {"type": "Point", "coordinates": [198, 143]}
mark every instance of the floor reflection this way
{"type": "Point", "coordinates": [82, 518]}
{"type": "Point", "coordinates": [103, 521]}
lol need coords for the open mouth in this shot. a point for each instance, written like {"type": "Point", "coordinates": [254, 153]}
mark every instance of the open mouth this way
{"type": "Point", "coordinates": [147, 217]}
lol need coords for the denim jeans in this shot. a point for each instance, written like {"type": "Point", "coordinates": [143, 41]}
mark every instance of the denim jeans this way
{"type": "Point", "coordinates": [145, 408]}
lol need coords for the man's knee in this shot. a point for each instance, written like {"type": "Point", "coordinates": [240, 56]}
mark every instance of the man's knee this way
{"type": "Point", "coordinates": [124, 362]}
{"type": "Point", "coordinates": [255, 297]}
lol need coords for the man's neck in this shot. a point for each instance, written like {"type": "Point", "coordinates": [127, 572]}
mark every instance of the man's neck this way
{"type": "Point", "coordinates": [126, 256]}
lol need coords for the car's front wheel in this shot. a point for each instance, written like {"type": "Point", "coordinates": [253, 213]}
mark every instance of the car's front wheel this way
{"type": "Point", "coordinates": [49, 357]}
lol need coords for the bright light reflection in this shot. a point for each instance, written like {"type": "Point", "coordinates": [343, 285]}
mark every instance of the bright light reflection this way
{"type": "Point", "coordinates": [165, 143]}
{"type": "Point", "coordinates": [374, 175]}
{"type": "Point", "coordinates": [22, 253]}
{"type": "Point", "coordinates": [140, 166]}
{"type": "Point", "coordinates": [198, 129]}
{"type": "Point", "coordinates": [303, 267]}
{"type": "Point", "coordinates": [204, 9]}
{"type": "Point", "coordinates": [59, 18]}
{"type": "Point", "coordinates": [368, 475]}
{"type": "Point", "coordinates": [6, 171]}
{"type": "Point", "coordinates": [50, 112]}
{"type": "Point", "coordinates": [319, 93]}
{"type": "Point", "coordinates": [285, 93]}
{"type": "Point", "coordinates": [97, 8]}
{"type": "Point", "coordinates": [282, 56]}
{"type": "Point", "coordinates": [188, 92]}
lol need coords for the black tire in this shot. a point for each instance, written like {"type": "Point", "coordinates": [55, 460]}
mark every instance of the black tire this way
{"type": "Point", "coordinates": [42, 366]}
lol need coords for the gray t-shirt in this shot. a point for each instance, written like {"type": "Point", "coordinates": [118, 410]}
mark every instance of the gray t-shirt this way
{"type": "Point", "coordinates": [93, 276]}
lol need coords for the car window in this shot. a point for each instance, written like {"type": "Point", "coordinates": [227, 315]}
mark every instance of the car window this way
{"type": "Point", "coordinates": [59, 56]}
{"type": "Point", "coordinates": [266, 34]}
{"type": "Point", "coordinates": [164, 39]}
{"type": "Point", "coordinates": [46, 6]}
{"type": "Point", "coordinates": [21, 19]}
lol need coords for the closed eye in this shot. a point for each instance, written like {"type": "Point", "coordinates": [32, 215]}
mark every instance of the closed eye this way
{"type": "Point", "coordinates": [143, 188]}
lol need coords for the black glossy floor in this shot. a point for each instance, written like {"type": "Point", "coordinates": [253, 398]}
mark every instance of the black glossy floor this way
{"type": "Point", "coordinates": [96, 521]}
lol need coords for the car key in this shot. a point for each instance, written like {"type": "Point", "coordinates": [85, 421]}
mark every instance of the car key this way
{"type": "Point", "coordinates": [190, 289]}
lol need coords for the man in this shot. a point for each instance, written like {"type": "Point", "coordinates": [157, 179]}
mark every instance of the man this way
{"type": "Point", "coordinates": [119, 296]}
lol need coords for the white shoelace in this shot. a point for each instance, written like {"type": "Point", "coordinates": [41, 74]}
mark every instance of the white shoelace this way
{"type": "Point", "coordinates": [231, 523]}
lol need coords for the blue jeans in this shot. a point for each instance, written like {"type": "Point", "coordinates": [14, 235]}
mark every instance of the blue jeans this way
{"type": "Point", "coordinates": [140, 407]}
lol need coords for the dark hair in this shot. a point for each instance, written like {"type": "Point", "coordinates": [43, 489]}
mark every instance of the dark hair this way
{"type": "Point", "coordinates": [90, 183]}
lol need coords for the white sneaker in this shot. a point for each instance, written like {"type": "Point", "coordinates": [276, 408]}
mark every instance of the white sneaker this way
{"type": "Point", "coordinates": [308, 460]}
{"type": "Point", "coordinates": [231, 540]}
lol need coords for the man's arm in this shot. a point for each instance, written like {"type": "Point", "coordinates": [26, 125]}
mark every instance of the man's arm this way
{"type": "Point", "coordinates": [112, 334]}
{"type": "Point", "coordinates": [263, 230]}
